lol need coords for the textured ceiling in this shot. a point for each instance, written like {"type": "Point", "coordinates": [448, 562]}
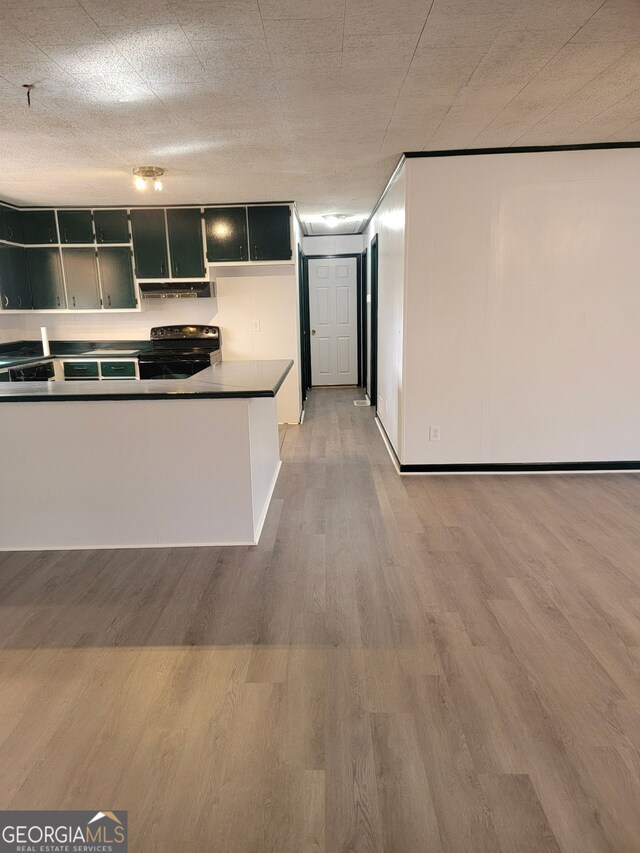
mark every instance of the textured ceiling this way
{"type": "Point", "coordinates": [311, 100]}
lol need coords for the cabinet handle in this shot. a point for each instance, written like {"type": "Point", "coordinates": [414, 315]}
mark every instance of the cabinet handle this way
{"type": "Point", "coordinates": [6, 300]}
{"type": "Point", "coordinates": [177, 268]}
{"type": "Point", "coordinates": [255, 251]}
{"type": "Point", "coordinates": [50, 236]}
{"type": "Point", "coordinates": [58, 300]}
{"type": "Point", "coordinates": [65, 236]}
{"type": "Point", "coordinates": [102, 235]}
{"type": "Point", "coordinates": [73, 299]}
{"type": "Point", "coordinates": [109, 300]}
{"type": "Point", "coordinates": [241, 253]}
{"type": "Point", "coordinates": [162, 268]}
{"type": "Point", "coordinates": [10, 232]}
{"type": "Point", "coordinates": [19, 301]}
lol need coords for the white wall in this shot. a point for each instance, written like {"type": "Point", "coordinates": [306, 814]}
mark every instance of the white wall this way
{"type": "Point", "coordinates": [522, 311]}
{"type": "Point", "coordinates": [269, 294]}
{"type": "Point", "coordinates": [388, 223]}
{"type": "Point", "coordinates": [333, 244]}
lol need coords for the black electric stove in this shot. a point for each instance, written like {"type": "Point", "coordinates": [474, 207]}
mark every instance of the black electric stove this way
{"type": "Point", "coordinates": [180, 351]}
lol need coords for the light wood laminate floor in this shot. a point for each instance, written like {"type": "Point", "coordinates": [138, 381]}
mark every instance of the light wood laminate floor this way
{"type": "Point", "coordinates": [402, 664]}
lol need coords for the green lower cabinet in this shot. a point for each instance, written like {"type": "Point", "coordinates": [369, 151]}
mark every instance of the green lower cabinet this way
{"type": "Point", "coordinates": [81, 275]}
{"type": "Point", "coordinates": [118, 369]}
{"type": "Point", "coordinates": [45, 278]}
{"type": "Point", "coordinates": [15, 291]}
{"type": "Point", "coordinates": [226, 232]}
{"type": "Point", "coordinates": [81, 370]}
{"type": "Point", "coordinates": [184, 226]}
{"type": "Point", "coordinates": [116, 277]}
{"type": "Point", "coordinates": [112, 226]}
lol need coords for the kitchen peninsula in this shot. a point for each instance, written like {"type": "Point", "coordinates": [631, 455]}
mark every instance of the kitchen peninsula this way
{"type": "Point", "coordinates": [129, 463]}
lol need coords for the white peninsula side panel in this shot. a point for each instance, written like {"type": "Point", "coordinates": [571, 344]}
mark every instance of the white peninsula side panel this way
{"type": "Point", "coordinates": [136, 473]}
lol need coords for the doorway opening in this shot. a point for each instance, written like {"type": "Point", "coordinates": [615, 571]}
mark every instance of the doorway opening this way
{"type": "Point", "coordinates": [373, 324]}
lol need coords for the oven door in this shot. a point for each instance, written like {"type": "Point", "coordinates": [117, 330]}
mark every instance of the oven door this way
{"type": "Point", "coordinates": [170, 368]}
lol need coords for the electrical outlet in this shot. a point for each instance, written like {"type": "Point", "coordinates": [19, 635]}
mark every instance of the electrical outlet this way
{"type": "Point", "coordinates": [256, 325]}
{"type": "Point", "coordinates": [434, 433]}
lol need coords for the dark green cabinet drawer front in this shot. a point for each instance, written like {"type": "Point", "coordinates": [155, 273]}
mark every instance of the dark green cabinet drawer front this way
{"type": "Point", "coordinates": [118, 369]}
{"type": "Point", "coordinates": [185, 243]}
{"type": "Point", "coordinates": [81, 276]}
{"type": "Point", "coordinates": [116, 277]}
{"type": "Point", "coordinates": [11, 224]}
{"type": "Point", "coordinates": [270, 233]}
{"type": "Point", "coordinates": [112, 226]}
{"type": "Point", "coordinates": [39, 226]}
{"type": "Point", "coordinates": [45, 278]}
{"type": "Point", "coordinates": [75, 226]}
{"type": "Point", "coordinates": [226, 230]}
{"type": "Point", "coordinates": [15, 291]}
{"type": "Point", "coordinates": [81, 369]}
{"type": "Point", "coordinates": [149, 243]}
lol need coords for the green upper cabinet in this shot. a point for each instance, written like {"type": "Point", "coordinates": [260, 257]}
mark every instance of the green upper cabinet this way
{"type": "Point", "coordinates": [116, 277]}
{"type": "Point", "coordinates": [75, 226]}
{"type": "Point", "coordinates": [81, 275]}
{"type": "Point", "coordinates": [11, 224]}
{"type": "Point", "coordinates": [15, 292]}
{"type": "Point", "coordinates": [149, 243]}
{"type": "Point", "coordinates": [45, 277]}
{"type": "Point", "coordinates": [184, 226]}
{"type": "Point", "coordinates": [226, 230]}
{"type": "Point", "coordinates": [270, 232]}
{"type": "Point", "coordinates": [112, 226]}
{"type": "Point", "coordinates": [39, 226]}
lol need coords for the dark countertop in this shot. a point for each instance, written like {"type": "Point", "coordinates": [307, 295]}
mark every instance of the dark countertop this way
{"type": "Point", "coordinates": [22, 353]}
{"type": "Point", "coordinates": [225, 380]}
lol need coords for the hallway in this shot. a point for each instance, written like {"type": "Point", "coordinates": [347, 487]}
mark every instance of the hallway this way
{"type": "Point", "coordinates": [408, 665]}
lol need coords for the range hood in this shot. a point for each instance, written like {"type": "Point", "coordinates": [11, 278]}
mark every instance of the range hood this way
{"type": "Point", "coordinates": [175, 289]}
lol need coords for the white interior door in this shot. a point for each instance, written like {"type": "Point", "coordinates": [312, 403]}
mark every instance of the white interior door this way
{"type": "Point", "coordinates": [332, 312]}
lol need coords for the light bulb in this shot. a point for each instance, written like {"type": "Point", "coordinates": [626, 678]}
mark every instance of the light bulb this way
{"type": "Point", "coordinates": [157, 185]}
{"type": "Point", "coordinates": [331, 221]}
{"type": "Point", "coordinates": [140, 183]}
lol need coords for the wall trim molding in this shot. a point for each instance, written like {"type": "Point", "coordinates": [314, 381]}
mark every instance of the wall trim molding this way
{"type": "Point", "coordinates": [521, 149]}
{"type": "Point", "coordinates": [604, 467]}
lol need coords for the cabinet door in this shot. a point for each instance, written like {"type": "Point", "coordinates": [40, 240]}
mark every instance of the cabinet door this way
{"type": "Point", "coordinates": [149, 243]}
{"type": "Point", "coordinates": [80, 369]}
{"type": "Point", "coordinates": [45, 277]}
{"type": "Point", "coordinates": [270, 232]}
{"type": "Point", "coordinates": [74, 226]}
{"type": "Point", "coordinates": [226, 230]}
{"type": "Point", "coordinates": [11, 224]}
{"type": "Point", "coordinates": [185, 242]}
{"type": "Point", "coordinates": [81, 276]}
{"type": "Point", "coordinates": [39, 226]}
{"type": "Point", "coordinates": [116, 277]}
{"type": "Point", "coordinates": [15, 291]}
{"type": "Point", "coordinates": [112, 226]}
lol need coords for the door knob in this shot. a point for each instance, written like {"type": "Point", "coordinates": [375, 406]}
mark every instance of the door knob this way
{"type": "Point", "coordinates": [313, 331]}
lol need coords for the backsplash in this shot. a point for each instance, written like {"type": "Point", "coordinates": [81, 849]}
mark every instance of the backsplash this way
{"type": "Point", "coordinates": [104, 326]}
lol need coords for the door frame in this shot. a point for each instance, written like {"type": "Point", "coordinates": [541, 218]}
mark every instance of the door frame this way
{"type": "Point", "coordinates": [373, 316]}
{"type": "Point", "coordinates": [305, 325]}
{"type": "Point", "coordinates": [364, 277]}
{"type": "Point", "coordinates": [359, 300]}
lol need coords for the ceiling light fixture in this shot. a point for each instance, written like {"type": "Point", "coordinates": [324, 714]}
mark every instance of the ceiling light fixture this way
{"type": "Point", "coordinates": [334, 219]}
{"type": "Point", "coordinates": [145, 173]}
